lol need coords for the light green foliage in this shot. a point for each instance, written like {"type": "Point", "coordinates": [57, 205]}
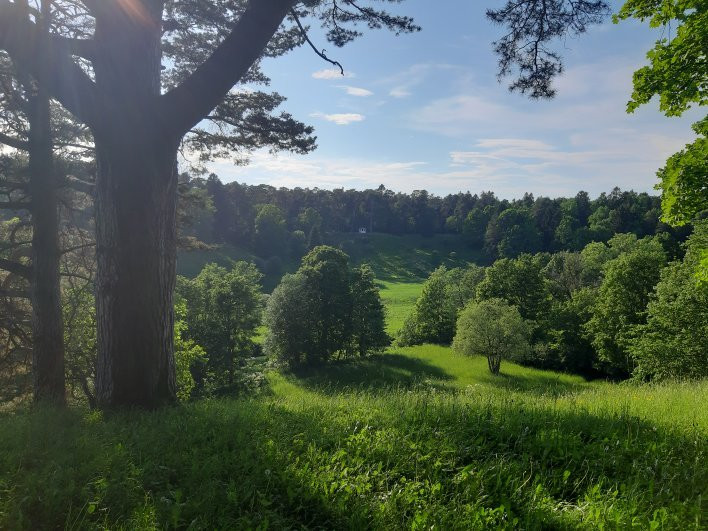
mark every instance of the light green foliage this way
{"type": "Point", "coordinates": [368, 314]}
{"type": "Point", "coordinates": [433, 318]}
{"type": "Point", "coordinates": [596, 255]}
{"type": "Point", "coordinates": [418, 437]}
{"type": "Point", "coordinates": [79, 314]}
{"type": "Point", "coordinates": [519, 282]}
{"type": "Point", "coordinates": [674, 341]}
{"type": "Point", "coordinates": [684, 180]}
{"type": "Point", "coordinates": [622, 298]}
{"type": "Point", "coordinates": [187, 353]}
{"type": "Point", "coordinates": [223, 312]}
{"type": "Point", "coordinates": [491, 328]}
{"type": "Point", "coordinates": [677, 73]}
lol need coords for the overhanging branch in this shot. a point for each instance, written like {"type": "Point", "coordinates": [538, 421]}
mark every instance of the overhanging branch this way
{"type": "Point", "coordinates": [68, 83]}
{"type": "Point", "coordinates": [188, 103]}
{"type": "Point", "coordinates": [307, 39]}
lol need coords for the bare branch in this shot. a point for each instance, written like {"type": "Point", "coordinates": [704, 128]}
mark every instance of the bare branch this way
{"type": "Point", "coordinates": [16, 268]}
{"type": "Point", "coordinates": [307, 39]}
{"type": "Point", "coordinates": [14, 142]}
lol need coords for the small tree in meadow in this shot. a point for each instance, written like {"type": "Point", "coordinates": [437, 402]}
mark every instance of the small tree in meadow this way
{"type": "Point", "coordinates": [491, 328]}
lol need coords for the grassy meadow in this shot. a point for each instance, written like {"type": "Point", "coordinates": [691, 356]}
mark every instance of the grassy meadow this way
{"type": "Point", "coordinates": [416, 438]}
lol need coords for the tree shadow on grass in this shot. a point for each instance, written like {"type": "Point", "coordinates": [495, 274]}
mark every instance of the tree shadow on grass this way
{"type": "Point", "coordinates": [534, 381]}
{"type": "Point", "coordinates": [243, 464]}
{"type": "Point", "coordinates": [383, 371]}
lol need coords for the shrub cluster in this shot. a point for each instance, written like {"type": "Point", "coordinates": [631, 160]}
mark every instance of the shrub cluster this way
{"type": "Point", "coordinates": [325, 311]}
{"type": "Point", "coordinates": [612, 310]}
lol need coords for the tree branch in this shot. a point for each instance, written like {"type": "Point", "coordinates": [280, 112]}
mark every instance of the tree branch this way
{"type": "Point", "coordinates": [14, 294]}
{"type": "Point", "coordinates": [79, 185]}
{"type": "Point", "coordinates": [68, 82]}
{"type": "Point", "coordinates": [307, 39]}
{"type": "Point", "coordinates": [16, 268]}
{"type": "Point", "coordinates": [14, 142]}
{"type": "Point", "coordinates": [15, 205]}
{"type": "Point", "coordinates": [185, 105]}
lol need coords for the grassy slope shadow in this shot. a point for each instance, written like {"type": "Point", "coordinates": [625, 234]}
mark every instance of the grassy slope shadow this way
{"type": "Point", "coordinates": [388, 463]}
{"type": "Point", "coordinates": [384, 372]}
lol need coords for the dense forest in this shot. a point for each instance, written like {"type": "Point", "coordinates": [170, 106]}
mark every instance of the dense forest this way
{"type": "Point", "coordinates": [268, 220]}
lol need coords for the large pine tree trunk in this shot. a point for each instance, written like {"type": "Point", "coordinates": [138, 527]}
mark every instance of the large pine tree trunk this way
{"type": "Point", "coordinates": [136, 250]}
{"type": "Point", "coordinates": [136, 198]}
{"type": "Point", "coordinates": [47, 322]}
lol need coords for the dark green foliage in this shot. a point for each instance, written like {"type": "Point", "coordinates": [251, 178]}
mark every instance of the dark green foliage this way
{"type": "Point", "coordinates": [270, 231]}
{"type": "Point", "coordinates": [326, 273]}
{"type": "Point", "coordinates": [475, 225]}
{"type": "Point", "coordinates": [525, 225]}
{"type": "Point", "coordinates": [324, 311]}
{"type": "Point", "coordinates": [511, 233]}
{"type": "Point", "coordinates": [298, 244]}
{"type": "Point", "coordinates": [491, 328]}
{"type": "Point", "coordinates": [622, 299]}
{"type": "Point", "coordinates": [288, 317]}
{"type": "Point", "coordinates": [368, 314]}
{"type": "Point", "coordinates": [566, 344]}
{"type": "Point", "coordinates": [674, 341]}
{"type": "Point", "coordinates": [519, 282]}
{"type": "Point", "coordinates": [223, 310]}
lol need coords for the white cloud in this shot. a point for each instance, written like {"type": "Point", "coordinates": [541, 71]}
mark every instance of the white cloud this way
{"type": "Point", "coordinates": [340, 119]}
{"type": "Point", "coordinates": [399, 92]}
{"type": "Point", "coordinates": [331, 73]}
{"type": "Point", "coordinates": [356, 91]}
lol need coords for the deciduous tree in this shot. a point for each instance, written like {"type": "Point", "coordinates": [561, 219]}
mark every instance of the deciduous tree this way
{"type": "Point", "coordinates": [491, 328]}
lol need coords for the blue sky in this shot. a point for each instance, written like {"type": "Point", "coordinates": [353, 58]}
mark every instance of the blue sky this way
{"type": "Point", "coordinates": [425, 111]}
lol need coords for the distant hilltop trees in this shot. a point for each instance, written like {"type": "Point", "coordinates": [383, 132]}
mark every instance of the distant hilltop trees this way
{"type": "Point", "coordinates": [285, 222]}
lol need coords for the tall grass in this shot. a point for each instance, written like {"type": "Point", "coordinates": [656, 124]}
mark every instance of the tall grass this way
{"type": "Point", "coordinates": [416, 438]}
{"type": "Point", "coordinates": [412, 439]}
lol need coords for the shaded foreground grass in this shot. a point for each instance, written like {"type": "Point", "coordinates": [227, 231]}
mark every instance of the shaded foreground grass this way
{"type": "Point", "coordinates": [411, 439]}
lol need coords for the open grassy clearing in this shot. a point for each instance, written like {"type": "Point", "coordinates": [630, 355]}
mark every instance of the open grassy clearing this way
{"type": "Point", "coordinates": [410, 439]}
{"type": "Point", "coordinates": [415, 438]}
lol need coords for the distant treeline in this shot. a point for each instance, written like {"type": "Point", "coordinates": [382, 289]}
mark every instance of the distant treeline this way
{"type": "Point", "coordinates": [270, 220]}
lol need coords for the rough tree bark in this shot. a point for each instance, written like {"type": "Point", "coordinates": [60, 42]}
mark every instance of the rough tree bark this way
{"type": "Point", "coordinates": [136, 201]}
{"type": "Point", "coordinates": [137, 136]}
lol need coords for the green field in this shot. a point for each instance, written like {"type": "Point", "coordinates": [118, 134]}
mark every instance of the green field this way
{"type": "Point", "coordinates": [395, 259]}
{"type": "Point", "coordinates": [417, 438]}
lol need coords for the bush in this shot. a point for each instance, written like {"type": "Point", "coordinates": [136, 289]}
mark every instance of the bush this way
{"type": "Point", "coordinates": [324, 311]}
